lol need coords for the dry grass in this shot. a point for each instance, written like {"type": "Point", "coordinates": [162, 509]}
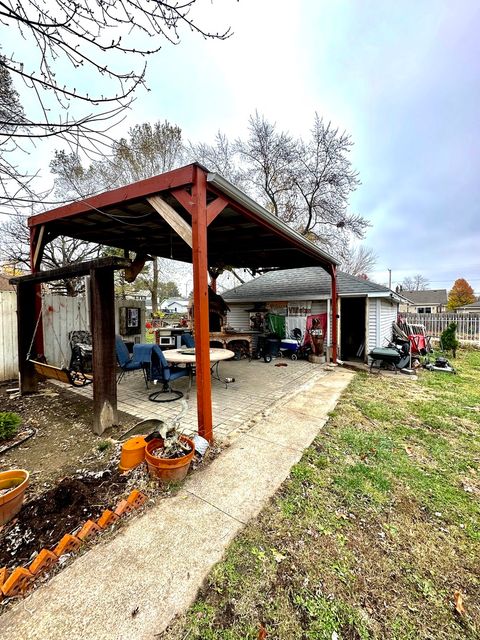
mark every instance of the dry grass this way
{"type": "Point", "coordinates": [373, 533]}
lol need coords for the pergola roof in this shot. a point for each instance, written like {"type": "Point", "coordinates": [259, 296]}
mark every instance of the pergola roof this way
{"type": "Point", "coordinates": [244, 234]}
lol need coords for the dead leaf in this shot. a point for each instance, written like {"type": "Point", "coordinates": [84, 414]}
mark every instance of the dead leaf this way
{"type": "Point", "coordinates": [262, 633]}
{"type": "Point", "coordinates": [458, 599]}
{"type": "Point", "coordinates": [409, 451]}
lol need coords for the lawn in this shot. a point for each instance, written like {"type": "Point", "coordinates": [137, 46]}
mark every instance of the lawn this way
{"type": "Point", "coordinates": [376, 532]}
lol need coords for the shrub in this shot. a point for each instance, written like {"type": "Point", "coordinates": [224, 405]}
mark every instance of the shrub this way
{"type": "Point", "coordinates": [9, 423]}
{"type": "Point", "coordinates": [448, 339]}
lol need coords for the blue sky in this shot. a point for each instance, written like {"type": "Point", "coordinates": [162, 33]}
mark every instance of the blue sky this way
{"type": "Point", "coordinates": [403, 78]}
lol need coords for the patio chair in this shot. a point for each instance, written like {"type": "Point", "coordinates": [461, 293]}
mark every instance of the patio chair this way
{"type": "Point", "coordinates": [161, 371]}
{"type": "Point", "coordinates": [81, 347]}
{"type": "Point", "coordinates": [126, 361]}
{"type": "Point", "coordinates": [187, 340]}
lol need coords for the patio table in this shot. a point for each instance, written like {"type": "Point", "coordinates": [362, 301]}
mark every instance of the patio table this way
{"type": "Point", "coordinates": [187, 356]}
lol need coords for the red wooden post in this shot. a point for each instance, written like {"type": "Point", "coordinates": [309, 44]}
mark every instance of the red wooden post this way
{"type": "Point", "coordinates": [102, 321]}
{"type": "Point", "coordinates": [333, 273]}
{"type": "Point", "coordinates": [200, 304]}
{"type": "Point", "coordinates": [36, 252]}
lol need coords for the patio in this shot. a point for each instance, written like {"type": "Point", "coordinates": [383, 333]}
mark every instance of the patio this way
{"type": "Point", "coordinates": [257, 387]}
{"type": "Point", "coordinates": [188, 214]}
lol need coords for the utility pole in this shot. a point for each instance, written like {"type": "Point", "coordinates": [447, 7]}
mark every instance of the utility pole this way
{"type": "Point", "coordinates": [389, 278]}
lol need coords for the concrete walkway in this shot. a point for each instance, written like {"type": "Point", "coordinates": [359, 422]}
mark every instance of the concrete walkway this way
{"type": "Point", "coordinates": [157, 563]}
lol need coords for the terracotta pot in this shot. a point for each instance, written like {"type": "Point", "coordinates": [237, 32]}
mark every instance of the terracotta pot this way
{"type": "Point", "coordinates": [11, 502]}
{"type": "Point", "coordinates": [168, 469]}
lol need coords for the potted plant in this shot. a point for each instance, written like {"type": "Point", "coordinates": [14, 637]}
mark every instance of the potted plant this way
{"type": "Point", "coordinates": [12, 493]}
{"type": "Point", "coordinates": [168, 454]}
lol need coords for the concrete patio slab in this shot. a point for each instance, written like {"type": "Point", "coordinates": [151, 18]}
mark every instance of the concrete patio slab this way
{"type": "Point", "coordinates": [158, 562]}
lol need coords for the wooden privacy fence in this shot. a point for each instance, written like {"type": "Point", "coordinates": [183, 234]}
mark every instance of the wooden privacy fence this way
{"type": "Point", "coordinates": [8, 335]}
{"type": "Point", "coordinates": [468, 324]}
{"type": "Point", "coordinates": [60, 315]}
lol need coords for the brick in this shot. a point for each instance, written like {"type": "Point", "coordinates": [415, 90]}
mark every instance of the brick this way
{"type": "Point", "coordinates": [137, 498]}
{"type": "Point", "coordinates": [43, 562]}
{"type": "Point", "coordinates": [89, 529]}
{"type": "Point", "coordinates": [17, 583]}
{"type": "Point", "coordinates": [67, 544]}
{"type": "Point", "coordinates": [123, 507]}
{"type": "Point", "coordinates": [107, 518]}
{"type": "Point", "coordinates": [3, 577]}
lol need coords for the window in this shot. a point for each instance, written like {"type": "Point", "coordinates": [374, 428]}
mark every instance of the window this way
{"type": "Point", "coordinates": [424, 309]}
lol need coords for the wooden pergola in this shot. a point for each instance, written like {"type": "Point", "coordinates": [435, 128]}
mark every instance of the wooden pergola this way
{"type": "Point", "coordinates": [187, 214]}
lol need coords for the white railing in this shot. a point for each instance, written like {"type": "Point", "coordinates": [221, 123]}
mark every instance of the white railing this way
{"type": "Point", "coordinates": [468, 324]}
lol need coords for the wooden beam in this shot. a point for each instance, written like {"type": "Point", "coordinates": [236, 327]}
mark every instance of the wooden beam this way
{"type": "Point", "coordinates": [38, 250]}
{"type": "Point", "coordinates": [215, 208]}
{"type": "Point", "coordinates": [200, 301]}
{"type": "Point", "coordinates": [184, 198]}
{"type": "Point", "coordinates": [333, 273]}
{"type": "Point", "coordinates": [123, 195]}
{"type": "Point", "coordinates": [37, 246]}
{"type": "Point", "coordinates": [74, 270]}
{"type": "Point", "coordinates": [172, 218]}
{"type": "Point", "coordinates": [102, 323]}
{"type": "Point", "coordinates": [26, 323]}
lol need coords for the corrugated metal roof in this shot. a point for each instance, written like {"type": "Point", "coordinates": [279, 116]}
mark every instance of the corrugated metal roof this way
{"type": "Point", "coordinates": [308, 283]}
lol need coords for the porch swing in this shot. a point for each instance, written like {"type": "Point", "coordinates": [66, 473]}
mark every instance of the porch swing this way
{"type": "Point", "coordinates": [62, 374]}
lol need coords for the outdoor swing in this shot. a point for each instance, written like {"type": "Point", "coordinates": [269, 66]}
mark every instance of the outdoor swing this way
{"type": "Point", "coordinates": [52, 372]}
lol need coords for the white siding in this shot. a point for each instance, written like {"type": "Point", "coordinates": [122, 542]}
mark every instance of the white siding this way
{"type": "Point", "coordinates": [380, 315]}
{"type": "Point", "coordinates": [238, 317]}
{"type": "Point", "coordinates": [319, 306]}
{"type": "Point", "coordinates": [388, 314]}
{"type": "Point", "coordinates": [372, 311]}
{"type": "Point", "coordinates": [8, 335]}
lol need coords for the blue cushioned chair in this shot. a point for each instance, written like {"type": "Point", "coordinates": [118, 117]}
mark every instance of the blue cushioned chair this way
{"type": "Point", "coordinates": [161, 371]}
{"type": "Point", "coordinates": [187, 340]}
{"type": "Point", "coordinates": [125, 360]}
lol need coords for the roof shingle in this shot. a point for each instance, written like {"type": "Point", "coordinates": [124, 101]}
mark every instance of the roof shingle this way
{"type": "Point", "coordinates": [308, 283]}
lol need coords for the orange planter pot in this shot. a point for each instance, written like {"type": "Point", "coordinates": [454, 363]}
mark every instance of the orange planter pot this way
{"type": "Point", "coordinates": [168, 469]}
{"type": "Point", "coordinates": [133, 453]}
{"type": "Point", "coordinates": [11, 502]}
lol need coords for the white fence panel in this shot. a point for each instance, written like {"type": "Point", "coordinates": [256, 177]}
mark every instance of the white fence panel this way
{"type": "Point", "coordinates": [62, 314]}
{"type": "Point", "coordinates": [8, 336]}
{"type": "Point", "coordinates": [468, 324]}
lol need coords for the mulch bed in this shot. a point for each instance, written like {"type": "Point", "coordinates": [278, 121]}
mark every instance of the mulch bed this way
{"type": "Point", "coordinates": [44, 520]}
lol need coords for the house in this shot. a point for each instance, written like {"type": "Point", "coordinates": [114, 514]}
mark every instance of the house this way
{"type": "Point", "coordinates": [474, 307]}
{"type": "Point", "coordinates": [427, 301]}
{"type": "Point", "coordinates": [174, 305]}
{"type": "Point", "coordinates": [365, 312]}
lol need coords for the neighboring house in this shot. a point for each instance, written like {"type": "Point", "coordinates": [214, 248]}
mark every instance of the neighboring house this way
{"type": "Point", "coordinates": [474, 307]}
{"type": "Point", "coordinates": [174, 305]}
{"type": "Point", "coordinates": [365, 311]}
{"type": "Point", "coordinates": [427, 301]}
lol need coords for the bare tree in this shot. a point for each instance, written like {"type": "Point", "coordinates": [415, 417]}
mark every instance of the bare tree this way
{"type": "Point", "coordinates": [15, 251]}
{"type": "Point", "coordinates": [305, 183]}
{"type": "Point", "coordinates": [148, 150]}
{"type": "Point", "coordinates": [324, 179]}
{"type": "Point", "coordinates": [358, 261]}
{"type": "Point", "coordinates": [221, 157]}
{"type": "Point", "coordinates": [267, 156]}
{"type": "Point", "coordinates": [415, 283]}
{"type": "Point", "coordinates": [66, 44]}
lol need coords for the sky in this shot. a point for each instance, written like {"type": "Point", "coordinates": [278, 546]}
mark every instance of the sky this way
{"type": "Point", "coordinates": [403, 78]}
